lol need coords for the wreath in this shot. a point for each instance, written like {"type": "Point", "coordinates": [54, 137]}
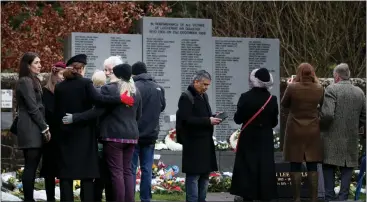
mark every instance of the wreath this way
{"type": "Point", "coordinates": [233, 139]}
{"type": "Point", "coordinates": [171, 141]}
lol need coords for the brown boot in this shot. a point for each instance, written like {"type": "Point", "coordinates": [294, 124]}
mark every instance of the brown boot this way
{"type": "Point", "coordinates": [313, 179]}
{"type": "Point", "coordinates": [296, 185]}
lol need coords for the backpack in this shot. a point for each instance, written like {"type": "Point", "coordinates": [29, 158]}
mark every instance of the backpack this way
{"type": "Point", "coordinates": [179, 135]}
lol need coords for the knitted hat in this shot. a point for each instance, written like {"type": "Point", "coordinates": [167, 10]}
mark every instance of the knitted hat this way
{"type": "Point", "coordinates": [122, 71]}
{"type": "Point", "coordinates": [263, 75]}
{"type": "Point", "coordinates": [60, 65]}
{"type": "Point", "coordinates": [139, 68]}
{"type": "Point", "coordinates": [82, 58]}
{"type": "Point", "coordinates": [261, 78]}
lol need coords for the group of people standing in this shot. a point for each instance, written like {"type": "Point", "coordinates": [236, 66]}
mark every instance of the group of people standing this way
{"type": "Point", "coordinates": [322, 127]}
{"type": "Point", "coordinates": [97, 130]}
{"type": "Point", "coordinates": [89, 130]}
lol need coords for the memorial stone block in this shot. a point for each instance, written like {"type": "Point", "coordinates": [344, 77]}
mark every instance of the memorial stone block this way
{"type": "Point", "coordinates": [233, 61]}
{"type": "Point", "coordinates": [173, 50]}
{"type": "Point", "coordinates": [99, 47]}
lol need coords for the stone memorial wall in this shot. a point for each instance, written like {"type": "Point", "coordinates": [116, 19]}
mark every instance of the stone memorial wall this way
{"type": "Point", "coordinates": [233, 61]}
{"type": "Point", "coordinates": [173, 50]}
{"type": "Point", "coordinates": [99, 47]}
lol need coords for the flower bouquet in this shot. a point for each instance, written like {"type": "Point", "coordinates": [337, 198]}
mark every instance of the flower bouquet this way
{"type": "Point", "coordinates": [234, 138]}
{"type": "Point", "coordinates": [171, 141]}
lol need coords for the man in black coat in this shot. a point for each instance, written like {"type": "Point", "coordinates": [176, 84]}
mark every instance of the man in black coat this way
{"type": "Point", "coordinates": [197, 121]}
{"type": "Point", "coordinates": [153, 104]}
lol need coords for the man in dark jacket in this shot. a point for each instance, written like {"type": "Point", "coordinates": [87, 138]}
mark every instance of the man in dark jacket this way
{"type": "Point", "coordinates": [197, 121]}
{"type": "Point", "coordinates": [153, 104]}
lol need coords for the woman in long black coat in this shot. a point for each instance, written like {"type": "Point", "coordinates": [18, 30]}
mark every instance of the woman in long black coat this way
{"type": "Point", "coordinates": [77, 142]}
{"type": "Point", "coordinates": [254, 169]}
{"type": "Point", "coordinates": [50, 150]}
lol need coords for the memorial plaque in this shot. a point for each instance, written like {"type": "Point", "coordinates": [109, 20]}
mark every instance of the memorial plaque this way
{"type": "Point", "coordinates": [233, 61]}
{"type": "Point", "coordinates": [284, 181]}
{"type": "Point", "coordinates": [173, 50]}
{"type": "Point", "coordinates": [99, 47]}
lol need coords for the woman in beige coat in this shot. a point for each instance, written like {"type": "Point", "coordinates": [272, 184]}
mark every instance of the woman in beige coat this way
{"type": "Point", "coordinates": [303, 97]}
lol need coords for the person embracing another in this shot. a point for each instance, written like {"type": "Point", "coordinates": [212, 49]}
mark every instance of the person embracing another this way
{"type": "Point", "coordinates": [50, 151]}
{"type": "Point", "coordinates": [78, 142]}
{"type": "Point", "coordinates": [119, 131]}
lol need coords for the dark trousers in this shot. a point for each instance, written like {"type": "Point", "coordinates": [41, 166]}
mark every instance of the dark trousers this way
{"type": "Point", "coordinates": [66, 190]}
{"type": "Point", "coordinates": [118, 157]}
{"type": "Point", "coordinates": [32, 158]}
{"type": "Point", "coordinates": [145, 155]}
{"type": "Point", "coordinates": [103, 183]}
{"type": "Point", "coordinates": [297, 167]}
{"type": "Point", "coordinates": [329, 182]}
{"type": "Point", "coordinates": [50, 188]}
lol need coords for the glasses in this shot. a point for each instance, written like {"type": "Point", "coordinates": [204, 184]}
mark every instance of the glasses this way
{"type": "Point", "coordinates": [108, 71]}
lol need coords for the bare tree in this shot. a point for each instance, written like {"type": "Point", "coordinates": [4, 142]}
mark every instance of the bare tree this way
{"type": "Point", "coordinates": [321, 33]}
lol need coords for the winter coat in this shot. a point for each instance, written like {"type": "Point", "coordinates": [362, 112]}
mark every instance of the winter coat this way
{"type": "Point", "coordinates": [78, 141]}
{"type": "Point", "coordinates": [31, 120]}
{"type": "Point", "coordinates": [254, 168]}
{"type": "Point", "coordinates": [344, 109]}
{"type": "Point", "coordinates": [302, 136]}
{"type": "Point", "coordinates": [153, 103]}
{"type": "Point", "coordinates": [198, 155]}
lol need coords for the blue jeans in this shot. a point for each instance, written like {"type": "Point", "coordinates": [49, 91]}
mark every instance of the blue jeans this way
{"type": "Point", "coordinates": [145, 155]}
{"type": "Point", "coordinates": [196, 187]}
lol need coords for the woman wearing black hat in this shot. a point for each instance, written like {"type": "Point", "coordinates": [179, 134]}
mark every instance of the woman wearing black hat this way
{"type": "Point", "coordinates": [119, 132]}
{"type": "Point", "coordinates": [77, 142]}
{"type": "Point", "coordinates": [254, 169]}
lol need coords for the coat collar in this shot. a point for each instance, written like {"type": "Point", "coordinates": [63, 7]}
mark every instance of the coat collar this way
{"type": "Point", "coordinates": [192, 90]}
{"type": "Point", "coordinates": [344, 82]}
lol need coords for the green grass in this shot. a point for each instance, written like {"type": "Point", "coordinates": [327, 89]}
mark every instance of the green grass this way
{"type": "Point", "coordinates": [164, 197]}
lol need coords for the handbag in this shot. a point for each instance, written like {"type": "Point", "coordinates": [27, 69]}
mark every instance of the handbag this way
{"type": "Point", "coordinates": [14, 125]}
{"type": "Point", "coordinates": [251, 119]}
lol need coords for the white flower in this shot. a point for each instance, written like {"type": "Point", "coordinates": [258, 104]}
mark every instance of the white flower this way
{"type": "Point", "coordinates": [172, 144]}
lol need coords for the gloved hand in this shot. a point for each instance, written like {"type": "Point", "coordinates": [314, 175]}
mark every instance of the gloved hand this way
{"type": "Point", "coordinates": [68, 119]}
{"type": "Point", "coordinates": [128, 100]}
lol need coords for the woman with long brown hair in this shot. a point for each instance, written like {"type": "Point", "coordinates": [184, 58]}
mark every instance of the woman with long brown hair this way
{"type": "Point", "coordinates": [303, 97]}
{"type": "Point", "coordinates": [32, 129]}
{"type": "Point", "coordinates": [49, 151]}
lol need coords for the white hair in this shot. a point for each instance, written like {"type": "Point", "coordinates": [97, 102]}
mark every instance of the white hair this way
{"type": "Point", "coordinates": [343, 71]}
{"type": "Point", "coordinates": [113, 60]}
{"type": "Point", "coordinates": [99, 78]}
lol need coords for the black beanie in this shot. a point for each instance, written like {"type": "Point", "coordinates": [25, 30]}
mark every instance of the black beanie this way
{"type": "Point", "coordinates": [139, 68]}
{"type": "Point", "coordinates": [122, 71]}
{"type": "Point", "coordinates": [263, 75]}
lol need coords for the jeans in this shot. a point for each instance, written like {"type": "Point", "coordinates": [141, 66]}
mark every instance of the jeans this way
{"type": "Point", "coordinates": [118, 157]}
{"type": "Point", "coordinates": [144, 153]}
{"type": "Point", "coordinates": [196, 187]}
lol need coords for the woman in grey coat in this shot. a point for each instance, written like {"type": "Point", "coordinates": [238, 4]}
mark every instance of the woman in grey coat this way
{"type": "Point", "coordinates": [32, 129]}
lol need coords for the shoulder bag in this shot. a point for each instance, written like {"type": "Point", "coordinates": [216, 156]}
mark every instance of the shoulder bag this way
{"type": "Point", "coordinates": [251, 119]}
